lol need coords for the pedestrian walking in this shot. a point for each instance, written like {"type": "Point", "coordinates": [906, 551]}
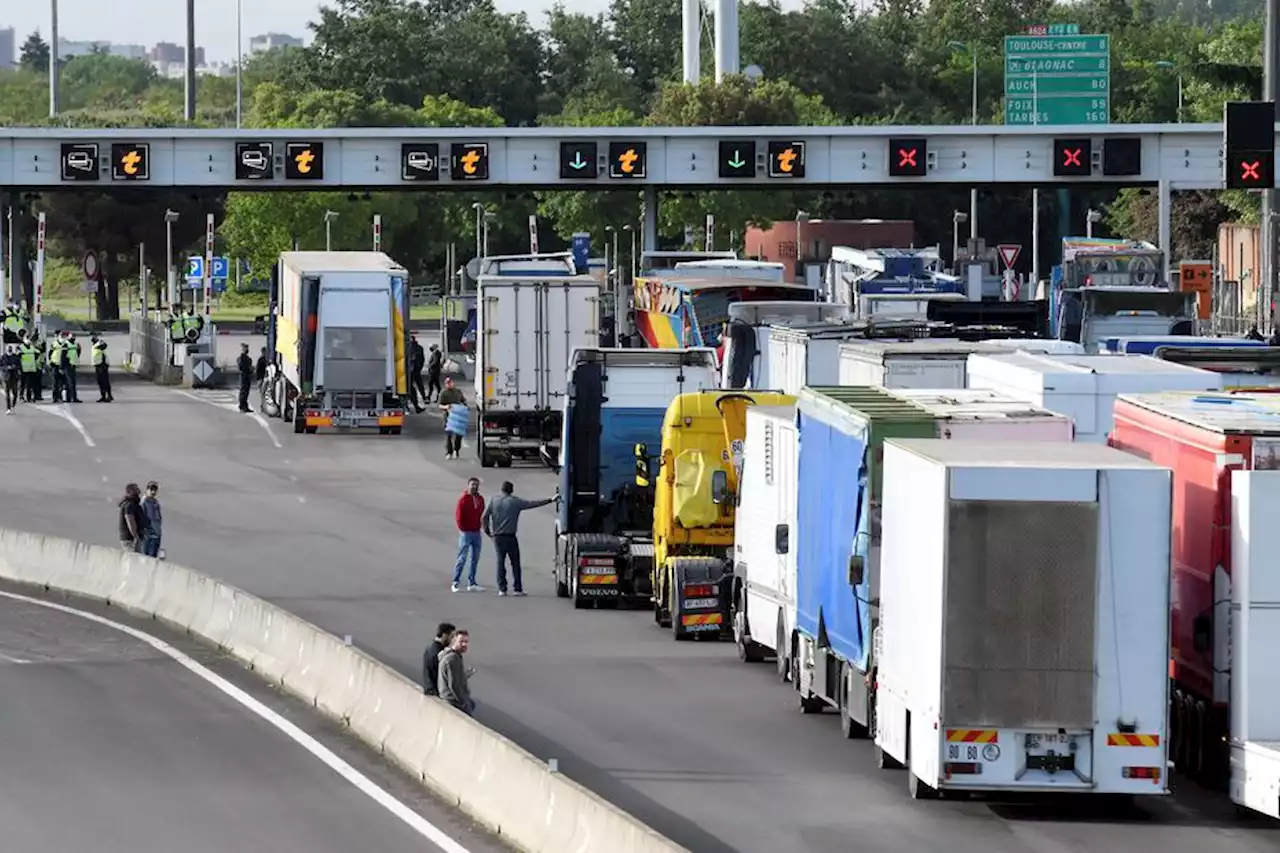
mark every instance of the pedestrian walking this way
{"type": "Point", "coordinates": [469, 516]}
{"type": "Point", "coordinates": [431, 658]}
{"type": "Point", "coordinates": [453, 680]}
{"type": "Point", "coordinates": [11, 369]}
{"type": "Point", "coordinates": [101, 370]}
{"type": "Point", "coordinates": [417, 360]}
{"type": "Point", "coordinates": [501, 520]}
{"type": "Point", "coordinates": [244, 364]}
{"type": "Point", "coordinates": [70, 361]}
{"type": "Point", "coordinates": [155, 520]}
{"type": "Point", "coordinates": [435, 367]}
{"type": "Point", "coordinates": [457, 418]}
{"type": "Point", "coordinates": [133, 520]}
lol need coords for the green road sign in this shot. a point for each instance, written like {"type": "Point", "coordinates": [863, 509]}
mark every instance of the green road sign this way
{"type": "Point", "coordinates": [1072, 109]}
{"type": "Point", "coordinates": [1057, 79]}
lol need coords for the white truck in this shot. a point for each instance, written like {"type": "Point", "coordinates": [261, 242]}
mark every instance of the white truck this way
{"type": "Point", "coordinates": [1084, 387]}
{"type": "Point", "coordinates": [1023, 641]}
{"type": "Point", "coordinates": [526, 329]}
{"type": "Point", "coordinates": [970, 414]}
{"type": "Point", "coordinates": [803, 354]}
{"type": "Point", "coordinates": [339, 330]}
{"type": "Point", "coordinates": [933, 363]}
{"type": "Point", "coordinates": [746, 341]}
{"type": "Point", "coordinates": [764, 554]}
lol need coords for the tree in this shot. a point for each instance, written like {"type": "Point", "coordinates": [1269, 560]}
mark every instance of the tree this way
{"type": "Point", "coordinates": [583, 73]}
{"type": "Point", "coordinates": [646, 40]}
{"type": "Point", "coordinates": [34, 55]}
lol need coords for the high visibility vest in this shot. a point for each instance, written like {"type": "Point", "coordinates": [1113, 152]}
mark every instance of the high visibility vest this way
{"type": "Point", "coordinates": [175, 327]}
{"type": "Point", "coordinates": [55, 354]}
{"type": "Point", "coordinates": [28, 353]}
{"type": "Point", "coordinates": [73, 352]}
{"type": "Point", "coordinates": [12, 322]}
{"type": "Point", "coordinates": [99, 354]}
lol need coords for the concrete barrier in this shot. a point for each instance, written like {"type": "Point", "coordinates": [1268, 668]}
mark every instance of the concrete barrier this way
{"type": "Point", "coordinates": [496, 782]}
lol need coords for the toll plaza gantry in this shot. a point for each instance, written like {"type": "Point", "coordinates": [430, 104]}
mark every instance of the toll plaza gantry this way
{"type": "Point", "coordinates": [1167, 156]}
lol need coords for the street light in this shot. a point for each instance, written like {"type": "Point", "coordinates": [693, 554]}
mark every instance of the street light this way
{"type": "Point", "coordinates": [1089, 219]}
{"type": "Point", "coordinates": [479, 209]}
{"type": "Point", "coordinates": [972, 50]}
{"type": "Point", "coordinates": [1173, 66]}
{"type": "Point", "coordinates": [170, 217]}
{"type": "Point", "coordinates": [489, 216]}
{"type": "Point", "coordinates": [958, 218]}
{"type": "Point", "coordinates": [633, 251]}
{"type": "Point", "coordinates": [239, 63]}
{"type": "Point", "coordinates": [329, 216]}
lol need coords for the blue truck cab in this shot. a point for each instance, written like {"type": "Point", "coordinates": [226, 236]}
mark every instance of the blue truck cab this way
{"type": "Point", "coordinates": [616, 401]}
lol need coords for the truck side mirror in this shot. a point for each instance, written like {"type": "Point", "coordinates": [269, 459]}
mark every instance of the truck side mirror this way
{"type": "Point", "coordinates": [719, 487]}
{"type": "Point", "coordinates": [642, 465]}
{"type": "Point", "coordinates": [857, 568]}
{"type": "Point", "coordinates": [782, 538]}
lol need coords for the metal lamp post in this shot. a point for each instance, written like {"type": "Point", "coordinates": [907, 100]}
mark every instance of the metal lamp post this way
{"type": "Point", "coordinates": [479, 209]}
{"type": "Point", "coordinates": [1089, 219]}
{"type": "Point", "coordinates": [239, 63]}
{"type": "Point", "coordinates": [958, 217]}
{"type": "Point", "coordinates": [972, 50]}
{"type": "Point", "coordinates": [1169, 65]}
{"type": "Point", "coordinates": [802, 216]}
{"type": "Point", "coordinates": [489, 216]}
{"type": "Point", "coordinates": [329, 216]}
{"type": "Point", "coordinates": [171, 274]}
{"type": "Point", "coordinates": [634, 271]}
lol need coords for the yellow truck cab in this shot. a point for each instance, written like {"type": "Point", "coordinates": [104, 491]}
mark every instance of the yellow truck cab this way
{"type": "Point", "coordinates": [695, 495]}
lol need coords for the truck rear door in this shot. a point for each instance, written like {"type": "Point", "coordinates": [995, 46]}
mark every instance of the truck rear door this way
{"type": "Point", "coordinates": [567, 317]}
{"type": "Point", "coordinates": [355, 336]}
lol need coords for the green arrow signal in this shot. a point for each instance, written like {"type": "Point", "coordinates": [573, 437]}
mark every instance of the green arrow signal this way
{"type": "Point", "coordinates": [578, 162]}
{"type": "Point", "coordinates": [737, 162]}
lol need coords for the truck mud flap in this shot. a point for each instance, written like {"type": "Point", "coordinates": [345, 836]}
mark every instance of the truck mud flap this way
{"type": "Point", "coordinates": [593, 569]}
{"type": "Point", "coordinates": [698, 598]}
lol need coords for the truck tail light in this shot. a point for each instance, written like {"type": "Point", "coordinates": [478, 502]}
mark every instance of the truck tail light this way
{"type": "Point", "coordinates": [1152, 773]}
{"type": "Point", "coordinates": [700, 591]}
{"type": "Point", "coordinates": [962, 768]}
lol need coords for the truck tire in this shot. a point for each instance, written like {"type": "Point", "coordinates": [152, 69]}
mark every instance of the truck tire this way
{"type": "Point", "coordinates": [749, 651]}
{"type": "Point", "coordinates": [560, 569]}
{"type": "Point", "coordinates": [783, 657]}
{"type": "Point", "coordinates": [849, 727]}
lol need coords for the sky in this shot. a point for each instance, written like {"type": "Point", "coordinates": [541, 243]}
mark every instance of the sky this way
{"type": "Point", "coordinates": [147, 22]}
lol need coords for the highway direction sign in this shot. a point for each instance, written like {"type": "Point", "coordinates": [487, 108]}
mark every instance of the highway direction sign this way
{"type": "Point", "coordinates": [469, 161]}
{"type": "Point", "coordinates": [1057, 79]}
{"type": "Point", "coordinates": [628, 160]}
{"type": "Point", "coordinates": [738, 158]}
{"type": "Point", "coordinates": [786, 159]}
{"type": "Point", "coordinates": [130, 161]}
{"type": "Point", "coordinates": [578, 161]}
{"type": "Point", "coordinates": [420, 161]}
{"type": "Point", "coordinates": [80, 161]}
{"type": "Point", "coordinates": [255, 161]}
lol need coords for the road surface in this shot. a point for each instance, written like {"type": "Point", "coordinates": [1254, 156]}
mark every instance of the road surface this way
{"type": "Point", "coordinates": [109, 744]}
{"type": "Point", "coordinates": [355, 532]}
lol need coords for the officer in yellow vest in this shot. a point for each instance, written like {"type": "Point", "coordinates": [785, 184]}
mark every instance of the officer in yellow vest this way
{"type": "Point", "coordinates": [192, 321]}
{"type": "Point", "coordinates": [70, 361]}
{"type": "Point", "coordinates": [12, 323]}
{"type": "Point", "coordinates": [101, 371]}
{"type": "Point", "coordinates": [29, 358]}
{"type": "Point", "coordinates": [176, 325]}
{"type": "Point", "coordinates": [57, 350]}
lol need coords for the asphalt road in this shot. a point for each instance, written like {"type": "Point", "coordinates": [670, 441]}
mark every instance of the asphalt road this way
{"type": "Point", "coordinates": [107, 744]}
{"type": "Point", "coordinates": [355, 532]}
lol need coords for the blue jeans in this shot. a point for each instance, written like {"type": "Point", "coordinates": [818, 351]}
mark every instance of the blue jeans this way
{"type": "Point", "coordinates": [507, 547]}
{"type": "Point", "coordinates": [468, 542]}
{"type": "Point", "coordinates": [151, 545]}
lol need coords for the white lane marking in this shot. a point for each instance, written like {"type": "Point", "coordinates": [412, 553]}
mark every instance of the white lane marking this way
{"type": "Point", "coordinates": [261, 421]}
{"type": "Point", "coordinates": [367, 786]}
{"type": "Point", "coordinates": [5, 657]}
{"type": "Point", "coordinates": [60, 410]}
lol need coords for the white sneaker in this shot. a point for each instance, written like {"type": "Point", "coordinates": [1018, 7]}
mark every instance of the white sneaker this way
{"type": "Point", "coordinates": [455, 588]}
{"type": "Point", "coordinates": [502, 593]}
{"type": "Point", "coordinates": [475, 587]}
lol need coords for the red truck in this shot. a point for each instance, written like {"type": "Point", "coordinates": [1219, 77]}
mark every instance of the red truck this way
{"type": "Point", "coordinates": [1202, 437]}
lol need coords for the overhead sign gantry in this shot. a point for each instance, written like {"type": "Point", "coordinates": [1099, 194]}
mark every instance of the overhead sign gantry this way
{"type": "Point", "coordinates": [1176, 156]}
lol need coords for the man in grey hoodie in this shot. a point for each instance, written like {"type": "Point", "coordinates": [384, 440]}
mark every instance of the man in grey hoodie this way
{"type": "Point", "coordinates": [501, 520]}
{"type": "Point", "coordinates": [151, 508]}
{"type": "Point", "coordinates": [454, 675]}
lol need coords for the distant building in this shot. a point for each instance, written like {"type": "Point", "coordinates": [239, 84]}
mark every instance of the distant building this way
{"type": "Point", "coordinates": [167, 51]}
{"type": "Point", "coordinates": [8, 49]}
{"type": "Point", "coordinates": [779, 244]}
{"type": "Point", "coordinates": [68, 49]}
{"type": "Point", "coordinates": [270, 41]}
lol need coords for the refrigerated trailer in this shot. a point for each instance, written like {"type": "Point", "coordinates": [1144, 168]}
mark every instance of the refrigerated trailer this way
{"type": "Point", "coordinates": [970, 414]}
{"type": "Point", "coordinates": [908, 364]}
{"type": "Point", "coordinates": [1023, 638]}
{"type": "Point", "coordinates": [526, 329]}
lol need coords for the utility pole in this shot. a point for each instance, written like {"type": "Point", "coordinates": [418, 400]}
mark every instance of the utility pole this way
{"type": "Point", "coordinates": [190, 111]}
{"type": "Point", "coordinates": [53, 58]}
{"type": "Point", "coordinates": [1270, 82]}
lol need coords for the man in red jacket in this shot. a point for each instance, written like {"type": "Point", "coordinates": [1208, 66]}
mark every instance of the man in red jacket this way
{"type": "Point", "coordinates": [468, 515]}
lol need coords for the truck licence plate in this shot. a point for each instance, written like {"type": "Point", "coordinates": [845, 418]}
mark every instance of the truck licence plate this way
{"type": "Point", "coordinates": [1049, 741]}
{"type": "Point", "coordinates": [700, 603]}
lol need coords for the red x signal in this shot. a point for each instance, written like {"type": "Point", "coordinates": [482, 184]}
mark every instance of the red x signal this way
{"type": "Point", "coordinates": [906, 157]}
{"type": "Point", "coordinates": [1071, 157]}
{"type": "Point", "coordinates": [1249, 170]}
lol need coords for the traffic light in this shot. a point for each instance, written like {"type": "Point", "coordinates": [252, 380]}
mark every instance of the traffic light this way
{"type": "Point", "coordinates": [737, 158]}
{"type": "Point", "coordinates": [130, 161]}
{"type": "Point", "coordinates": [627, 159]}
{"type": "Point", "coordinates": [1072, 158]}
{"type": "Point", "coordinates": [908, 157]}
{"type": "Point", "coordinates": [1250, 145]}
{"type": "Point", "coordinates": [304, 161]}
{"type": "Point", "coordinates": [578, 161]}
{"type": "Point", "coordinates": [786, 159]}
{"type": "Point", "coordinates": [470, 161]}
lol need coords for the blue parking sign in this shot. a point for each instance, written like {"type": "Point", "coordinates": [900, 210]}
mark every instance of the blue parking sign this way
{"type": "Point", "coordinates": [195, 268]}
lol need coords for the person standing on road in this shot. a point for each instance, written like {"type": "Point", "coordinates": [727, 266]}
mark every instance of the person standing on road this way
{"type": "Point", "coordinates": [457, 418]}
{"type": "Point", "coordinates": [244, 364]}
{"type": "Point", "coordinates": [469, 516]}
{"type": "Point", "coordinates": [431, 658]}
{"type": "Point", "coordinates": [155, 520]}
{"type": "Point", "coordinates": [71, 360]}
{"type": "Point", "coordinates": [133, 520]}
{"type": "Point", "coordinates": [57, 350]}
{"type": "Point", "coordinates": [101, 370]}
{"type": "Point", "coordinates": [417, 360]}
{"type": "Point", "coordinates": [501, 520]}
{"type": "Point", "coordinates": [11, 368]}
{"type": "Point", "coordinates": [42, 355]}
{"type": "Point", "coordinates": [29, 359]}
{"type": "Point", "coordinates": [435, 367]}
{"type": "Point", "coordinates": [454, 677]}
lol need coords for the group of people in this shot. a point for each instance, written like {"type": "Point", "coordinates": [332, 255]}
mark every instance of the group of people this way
{"type": "Point", "coordinates": [26, 358]}
{"type": "Point", "coordinates": [500, 521]}
{"type": "Point", "coordinates": [444, 673]}
{"type": "Point", "coordinates": [419, 394]}
{"type": "Point", "coordinates": [141, 521]}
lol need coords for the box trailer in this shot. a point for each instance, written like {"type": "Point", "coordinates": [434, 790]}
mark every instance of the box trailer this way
{"type": "Point", "coordinates": [527, 328]}
{"type": "Point", "coordinates": [1023, 638]}
{"type": "Point", "coordinates": [808, 354]}
{"type": "Point", "coordinates": [746, 341]}
{"type": "Point", "coordinates": [764, 556]}
{"type": "Point", "coordinates": [339, 333]}
{"type": "Point", "coordinates": [908, 364]}
{"type": "Point", "coordinates": [1205, 439]}
{"type": "Point", "coordinates": [970, 414]}
{"type": "Point", "coordinates": [1084, 387]}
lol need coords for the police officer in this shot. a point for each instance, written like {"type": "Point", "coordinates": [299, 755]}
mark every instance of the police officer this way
{"type": "Point", "coordinates": [245, 365]}
{"type": "Point", "coordinates": [192, 321]}
{"type": "Point", "coordinates": [57, 353]}
{"type": "Point", "coordinates": [101, 371]}
{"type": "Point", "coordinates": [70, 361]}
{"type": "Point", "coordinates": [11, 369]}
{"type": "Point", "coordinates": [176, 325]}
{"type": "Point", "coordinates": [12, 323]}
{"type": "Point", "coordinates": [42, 361]}
{"type": "Point", "coordinates": [29, 360]}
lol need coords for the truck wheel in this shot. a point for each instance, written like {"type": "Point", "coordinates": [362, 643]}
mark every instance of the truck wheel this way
{"type": "Point", "coordinates": [504, 461]}
{"type": "Point", "coordinates": [311, 430]}
{"type": "Point", "coordinates": [561, 570]}
{"type": "Point", "coordinates": [1177, 726]}
{"type": "Point", "coordinates": [783, 657]}
{"type": "Point", "coordinates": [849, 727]}
{"type": "Point", "coordinates": [811, 704]}
{"type": "Point", "coordinates": [395, 430]}
{"type": "Point", "coordinates": [486, 461]}
{"type": "Point", "coordinates": [749, 651]}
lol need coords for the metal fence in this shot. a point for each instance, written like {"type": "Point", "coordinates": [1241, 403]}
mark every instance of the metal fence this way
{"type": "Point", "coordinates": [1230, 314]}
{"type": "Point", "coordinates": [149, 349]}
